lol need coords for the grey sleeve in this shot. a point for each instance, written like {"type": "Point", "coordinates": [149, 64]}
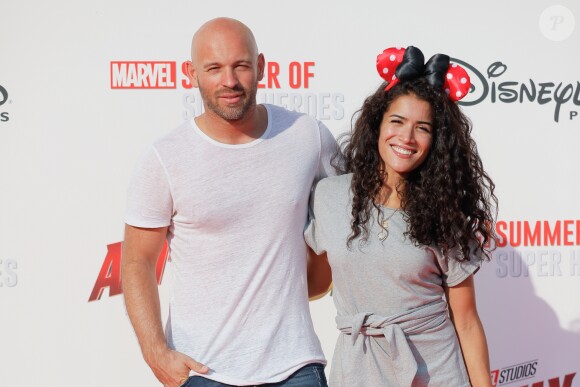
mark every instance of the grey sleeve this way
{"type": "Point", "coordinates": [328, 149]}
{"type": "Point", "coordinates": [455, 272]}
{"type": "Point", "coordinates": [312, 234]}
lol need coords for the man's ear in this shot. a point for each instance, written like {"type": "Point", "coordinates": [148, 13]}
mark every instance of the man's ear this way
{"type": "Point", "coordinates": [191, 73]}
{"type": "Point", "coordinates": [261, 66]}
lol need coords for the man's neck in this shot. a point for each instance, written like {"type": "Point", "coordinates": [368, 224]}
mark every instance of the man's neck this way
{"type": "Point", "coordinates": [247, 129]}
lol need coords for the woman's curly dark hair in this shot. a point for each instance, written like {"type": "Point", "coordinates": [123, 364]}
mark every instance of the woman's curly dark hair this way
{"type": "Point", "coordinates": [448, 201]}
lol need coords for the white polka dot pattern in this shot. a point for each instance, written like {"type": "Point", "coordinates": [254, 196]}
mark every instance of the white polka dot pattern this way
{"type": "Point", "coordinates": [387, 63]}
{"type": "Point", "coordinates": [457, 82]}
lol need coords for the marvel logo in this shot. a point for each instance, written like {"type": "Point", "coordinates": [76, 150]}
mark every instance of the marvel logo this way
{"type": "Point", "coordinates": [143, 75]}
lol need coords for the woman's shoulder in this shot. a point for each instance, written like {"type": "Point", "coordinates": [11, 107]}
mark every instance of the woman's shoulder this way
{"type": "Point", "coordinates": [334, 182]}
{"type": "Point", "coordinates": [333, 189]}
{"type": "Point", "coordinates": [329, 197]}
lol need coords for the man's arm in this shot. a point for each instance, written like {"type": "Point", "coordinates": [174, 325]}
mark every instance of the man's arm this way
{"type": "Point", "coordinates": [319, 275]}
{"type": "Point", "coordinates": [141, 249]}
{"type": "Point", "coordinates": [463, 313]}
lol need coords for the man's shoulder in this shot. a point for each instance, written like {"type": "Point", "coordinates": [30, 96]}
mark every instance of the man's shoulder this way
{"type": "Point", "coordinates": [174, 136]}
{"type": "Point", "coordinates": [279, 113]}
{"type": "Point", "coordinates": [303, 127]}
{"type": "Point", "coordinates": [276, 109]}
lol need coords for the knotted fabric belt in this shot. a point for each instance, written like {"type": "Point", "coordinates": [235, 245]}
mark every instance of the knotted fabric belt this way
{"type": "Point", "coordinates": [394, 328]}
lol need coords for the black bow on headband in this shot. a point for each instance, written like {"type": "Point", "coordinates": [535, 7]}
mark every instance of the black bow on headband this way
{"type": "Point", "coordinates": [399, 64]}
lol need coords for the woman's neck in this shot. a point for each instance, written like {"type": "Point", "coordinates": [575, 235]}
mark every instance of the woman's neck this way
{"type": "Point", "coordinates": [389, 197]}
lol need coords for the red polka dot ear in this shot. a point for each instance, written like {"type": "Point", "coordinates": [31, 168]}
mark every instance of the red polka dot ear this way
{"type": "Point", "coordinates": [387, 63]}
{"type": "Point", "coordinates": [457, 82]}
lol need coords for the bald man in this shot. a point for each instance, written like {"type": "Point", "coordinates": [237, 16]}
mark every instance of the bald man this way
{"type": "Point", "coordinates": [229, 191]}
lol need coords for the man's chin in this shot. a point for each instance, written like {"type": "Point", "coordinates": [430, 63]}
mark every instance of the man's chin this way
{"type": "Point", "coordinates": [231, 114]}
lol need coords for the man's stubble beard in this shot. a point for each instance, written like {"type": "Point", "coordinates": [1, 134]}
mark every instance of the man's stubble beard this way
{"type": "Point", "coordinates": [231, 113]}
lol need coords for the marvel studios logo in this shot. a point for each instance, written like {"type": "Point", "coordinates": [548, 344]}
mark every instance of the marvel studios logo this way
{"type": "Point", "coordinates": [514, 373]}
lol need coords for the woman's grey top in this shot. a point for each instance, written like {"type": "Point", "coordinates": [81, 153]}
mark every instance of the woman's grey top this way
{"type": "Point", "coordinates": [389, 296]}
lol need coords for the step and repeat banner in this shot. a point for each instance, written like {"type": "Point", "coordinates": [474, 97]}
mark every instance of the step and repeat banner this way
{"type": "Point", "coordinates": [86, 86]}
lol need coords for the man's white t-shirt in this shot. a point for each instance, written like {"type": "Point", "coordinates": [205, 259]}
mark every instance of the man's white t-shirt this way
{"type": "Point", "coordinates": [236, 216]}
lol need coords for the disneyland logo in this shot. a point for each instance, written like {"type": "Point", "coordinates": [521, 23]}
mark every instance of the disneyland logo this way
{"type": "Point", "coordinates": [508, 91]}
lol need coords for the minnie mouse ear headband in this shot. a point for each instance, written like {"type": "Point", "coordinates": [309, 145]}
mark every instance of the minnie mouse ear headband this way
{"type": "Point", "coordinates": [400, 64]}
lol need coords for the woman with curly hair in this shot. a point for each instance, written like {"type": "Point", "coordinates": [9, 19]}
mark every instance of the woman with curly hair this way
{"type": "Point", "coordinates": [404, 228]}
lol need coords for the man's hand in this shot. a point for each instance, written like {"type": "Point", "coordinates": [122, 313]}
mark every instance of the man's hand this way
{"type": "Point", "coordinates": [172, 368]}
{"type": "Point", "coordinates": [141, 249]}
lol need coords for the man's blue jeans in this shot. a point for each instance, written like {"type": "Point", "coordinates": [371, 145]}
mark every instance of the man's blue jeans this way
{"type": "Point", "coordinates": [311, 375]}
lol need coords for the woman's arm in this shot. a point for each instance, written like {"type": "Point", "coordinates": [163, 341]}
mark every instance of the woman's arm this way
{"type": "Point", "coordinates": [463, 313]}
